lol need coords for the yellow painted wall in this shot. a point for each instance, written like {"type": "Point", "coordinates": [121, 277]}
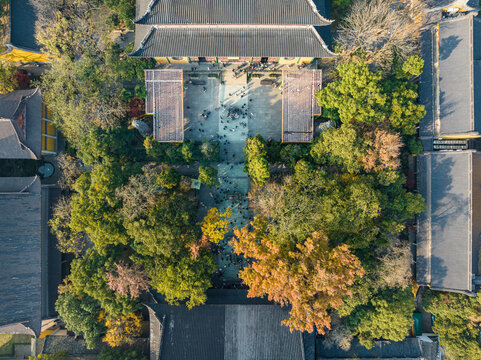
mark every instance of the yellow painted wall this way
{"type": "Point", "coordinates": [161, 60]}
{"type": "Point", "coordinates": [461, 137]}
{"type": "Point", "coordinates": [302, 60]}
{"type": "Point", "coordinates": [283, 60]}
{"type": "Point", "coordinates": [169, 60]}
{"type": "Point", "coordinates": [182, 61]}
{"type": "Point", "coordinates": [306, 60]}
{"type": "Point", "coordinates": [17, 55]}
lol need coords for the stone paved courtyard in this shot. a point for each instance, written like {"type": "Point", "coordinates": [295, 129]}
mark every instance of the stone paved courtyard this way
{"type": "Point", "coordinates": [260, 108]}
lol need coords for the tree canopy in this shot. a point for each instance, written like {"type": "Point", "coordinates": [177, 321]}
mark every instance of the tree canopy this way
{"type": "Point", "coordinates": [361, 96]}
{"type": "Point", "coordinates": [80, 315]}
{"type": "Point", "coordinates": [388, 315]}
{"type": "Point", "coordinates": [308, 276]}
{"type": "Point", "coordinates": [256, 163]}
{"type": "Point", "coordinates": [457, 322]}
{"type": "Point", "coordinates": [343, 201]}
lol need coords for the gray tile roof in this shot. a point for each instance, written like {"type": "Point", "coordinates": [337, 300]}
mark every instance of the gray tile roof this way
{"type": "Point", "coordinates": [269, 41]}
{"type": "Point", "coordinates": [20, 252]}
{"type": "Point", "coordinates": [11, 145]}
{"type": "Point", "coordinates": [14, 144]}
{"type": "Point", "coordinates": [409, 349]}
{"type": "Point", "coordinates": [156, 328]}
{"type": "Point", "coordinates": [448, 233]}
{"type": "Point", "coordinates": [216, 12]}
{"type": "Point", "coordinates": [299, 104]}
{"type": "Point", "coordinates": [165, 94]}
{"type": "Point", "coordinates": [22, 25]}
{"type": "Point", "coordinates": [454, 90]}
{"type": "Point", "coordinates": [427, 85]}
{"type": "Point", "coordinates": [230, 332]}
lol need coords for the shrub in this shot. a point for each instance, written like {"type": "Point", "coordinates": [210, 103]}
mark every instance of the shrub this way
{"type": "Point", "coordinates": [140, 91]}
{"type": "Point", "coordinates": [255, 154]}
{"type": "Point", "coordinates": [208, 176]}
{"type": "Point", "coordinates": [414, 145]}
{"type": "Point", "coordinates": [210, 150]}
{"type": "Point", "coordinates": [109, 353]}
{"type": "Point", "coordinates": [23, 79]}
{"type": "Point", "coordinates": [168, 178]}
{"type": "Point", "coordinates": [57, 356]}
{"type": "Point", "coordinates": [127, 95]}
{"type": "Point", "coordinates": [135, 107]}
{"type": "Point", "coordinates": [8, 79]}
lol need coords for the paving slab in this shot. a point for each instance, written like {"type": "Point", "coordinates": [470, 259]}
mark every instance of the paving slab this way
{"type": "Point", "coordinates": [258, 108]}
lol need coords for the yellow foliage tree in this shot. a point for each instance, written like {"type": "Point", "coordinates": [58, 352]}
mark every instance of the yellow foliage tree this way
{"type": "Point", "coordinates": [216, 224]}
{"type": "Point", "coordinates": [123, 330]}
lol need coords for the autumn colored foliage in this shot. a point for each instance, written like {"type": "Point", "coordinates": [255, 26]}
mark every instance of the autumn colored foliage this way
{"type": "Point", "coordinates": [135, 107]}
{"type": "Point", "coordinates": [311, 277]}
{"type": "Point", "coordinates": [23, 79]}
{"type": "Point", "coordinates": [216, 224]}
{"type": "Point", "coordinates": [123, 331]}
{"type": "Point", "coordinates": [128, 280]}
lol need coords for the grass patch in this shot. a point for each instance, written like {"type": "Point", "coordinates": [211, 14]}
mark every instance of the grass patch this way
{"type": "Point", "coordinates": [7, 342]}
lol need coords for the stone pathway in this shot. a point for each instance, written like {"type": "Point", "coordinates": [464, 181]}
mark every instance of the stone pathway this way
{"type": "Point", "coordinates": [259, 110]}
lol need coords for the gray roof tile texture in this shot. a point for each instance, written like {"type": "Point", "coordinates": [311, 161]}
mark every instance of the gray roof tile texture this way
{"type": "Point", "coordinates": [12, 139]}
{"type": "Point", "coordinates": [22, 25]}
{"type": "Point", "coordinates": [294, 12]}
{"type": "Point", "coordinates": [447, 236]}
{"type": "Point", "coordinates": [165, 92]}
{"type": "Point", "coordinates": [426, 85]}
{"type": "Point", "coordinates": [223, 41]}
{"type": "Point", "coordinates": [230, 332]}
{"type": "Point", "coordinates": [299, 104]}
{"type": "Point", "coordinates": [20, 256]}
{"type": "Point", "coordinates": [458, 81]}
{"type": "Point", "coordinates": [455, 76]}
{"type": "Point", "coordinates": [410, 348]}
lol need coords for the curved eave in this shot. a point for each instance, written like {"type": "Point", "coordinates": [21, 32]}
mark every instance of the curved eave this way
{"type": "Point", "coordinates": [202, 12]}
{"type": "Point", "coordinates": [228, 41]}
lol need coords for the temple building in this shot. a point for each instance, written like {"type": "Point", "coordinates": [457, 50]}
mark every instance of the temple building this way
{"type": "Point", "coordinates": [450, 84]}
{"type": "Point", "coordinates": [26, 130]}
{"type": "Point", "coordinates": [269, 31]}
{"type": "Point", "coordinates": [448, 236]}
{"type": "Point", "coordinates": [21, 44]}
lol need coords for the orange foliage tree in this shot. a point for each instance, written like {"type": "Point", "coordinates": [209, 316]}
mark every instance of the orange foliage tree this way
{"type": "Point", "coordinates": [128, 280]}
{"type": "Point", "coordinates": [309, 276]}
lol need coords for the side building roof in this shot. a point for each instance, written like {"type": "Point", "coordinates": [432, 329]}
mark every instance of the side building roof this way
{"type": "Point", "coordinates": [408, 349]}
{"type": "Point", "coordinates": [450, 86]}
{"type": "Point", "coordinates": [230, 332]}
{"type": "Point", "coordinates": [448, 238]}
{"type": "Point", "coordinates": [218, 12]}
{"type": "Point", "coordinates": [22, 25]}
{"type": "Point", "coordinates": [240, 41]}
{"type": "Point", "coordinates": [17, 143]}
{"type": "Point", "coordinates": [20, 252]}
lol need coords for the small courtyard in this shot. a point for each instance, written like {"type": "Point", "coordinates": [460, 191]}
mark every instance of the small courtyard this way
{"type": "Point", "coordinates": [230, 109]}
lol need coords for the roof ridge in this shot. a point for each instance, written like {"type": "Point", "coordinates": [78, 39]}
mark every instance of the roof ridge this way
{"type": "Point", "coordinates": [321, 40]}
{"type": "Point", "coordinates": [22, 144]}
{"type": "Point", "coordinates": [230, 26]}
{"type": "Point", "coordinates": [312, 5]}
